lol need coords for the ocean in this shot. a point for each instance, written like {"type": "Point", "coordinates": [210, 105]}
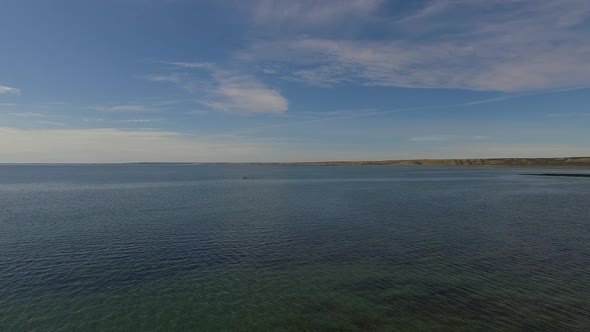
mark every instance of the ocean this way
{"type": "Point", "coordinates": [290, 248]}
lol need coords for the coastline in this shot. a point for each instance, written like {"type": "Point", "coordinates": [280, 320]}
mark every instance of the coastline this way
{"type": "Point", "coordinates": [565, 162]}
{"type": "Point", "coordinates": [569, 162]}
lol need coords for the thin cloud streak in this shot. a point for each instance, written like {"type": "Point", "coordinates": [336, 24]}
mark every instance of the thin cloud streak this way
{"type": "Point", "coordinates": [121, 108]}
{"type": "Point", "coordinates": [227, 90]}
{"type": "Point", "coordinates": [500, 46]}
{"type": "Point", "coordinates": [113, 145]}
{"type": "Point", "coordinates": [428, 139]}
{"type": "Point", "coordinates": [292, 16]}
{"type": "Point", "coordinates": [444, 138]}
{"type": "Point", "coordinates": [409, 109]}
{"type": "Point", "coordinates": [137, 121]}
{"type": "Point", "coordinates": [9, 90]}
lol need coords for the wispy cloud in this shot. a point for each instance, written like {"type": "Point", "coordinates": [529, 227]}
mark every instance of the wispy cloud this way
{"type": "Point", "coordinates": [443, 138]}
{"type": "Point", "coordinates": [191, 65]}
{"type": "Point", "coordinates": [428, 139]}
{"type": "Point", "coordinates": [29, 114]}
{"type": "Point", "coordinates": [246, 95]}
{"type": "Point", "coordinates": [497, 45]}
{"type": "Point", "coordinates": [182, 80]}
{"type": "Point", "coordinates": [9, 90]}
{"type": "Point", "coordinates": [113, 145]}
{"type": "Point", "coordinates": [344, 115]}
{"type": "Point", "coordinates": [306, 14]}
{"type": "Point", "coordinates": [228, 90]}
{"type": "Point", "coordinates": [569, 114]}
{"type": "Point", "coordinates": [121, 108]}
{"type": "Point", "coordinates": [51, 123]}
{"type": "Point", "coordinates": [137, 120]}
{"type": "Point", "coordinates": [198, 112]}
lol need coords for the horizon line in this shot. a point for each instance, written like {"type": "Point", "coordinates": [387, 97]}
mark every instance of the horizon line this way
{"type": "Point", "coordinates": [288, 162]}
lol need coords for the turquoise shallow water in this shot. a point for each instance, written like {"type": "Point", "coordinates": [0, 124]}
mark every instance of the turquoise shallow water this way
{"type": "Point", "coordinates": [179, 247]}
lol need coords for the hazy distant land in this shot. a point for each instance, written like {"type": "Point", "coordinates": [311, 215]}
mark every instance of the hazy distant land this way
{"type": "Point", "coordinates": [580, 162]}
{"type": "Point", "coordinates": [507, 162]}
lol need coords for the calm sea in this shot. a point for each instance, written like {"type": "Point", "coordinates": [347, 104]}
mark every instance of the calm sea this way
{"type": "Point", "coordinates": [197, 247]}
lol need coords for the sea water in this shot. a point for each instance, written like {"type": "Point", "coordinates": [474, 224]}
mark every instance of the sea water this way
{"type": "Point", "coordinates": [198, 247]}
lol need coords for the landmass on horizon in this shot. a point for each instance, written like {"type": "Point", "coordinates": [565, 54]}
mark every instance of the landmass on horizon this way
{"type": "Point", "coordinates": [509, 162]}
{"type": "Point", "coordinates": [476, 162]}
{"type": "Point", "coordinates": [499, 162]}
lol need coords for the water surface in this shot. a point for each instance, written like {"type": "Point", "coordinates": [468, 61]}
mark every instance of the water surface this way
{"type": "Point", "coordinates": [180, 247]}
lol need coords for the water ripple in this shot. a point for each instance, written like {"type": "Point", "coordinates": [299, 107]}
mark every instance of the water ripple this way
{"type": "Point", "coordinates": [330, 248]}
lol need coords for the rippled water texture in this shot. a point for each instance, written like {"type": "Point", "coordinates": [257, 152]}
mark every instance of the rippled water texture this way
{"type": "Point", "coordinates": [179, 247]}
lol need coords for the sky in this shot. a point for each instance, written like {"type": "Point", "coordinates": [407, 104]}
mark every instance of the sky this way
{"type": "Point", "coordinates": [306, 80]}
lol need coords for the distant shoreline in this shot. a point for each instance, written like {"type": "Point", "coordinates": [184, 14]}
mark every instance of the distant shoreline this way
{"type": "Point", "coordinates": [481, 162]}
{"type": "Point", "coordinates": [573, 162]}
{"type": "Point", "coordinates": [560, 174]}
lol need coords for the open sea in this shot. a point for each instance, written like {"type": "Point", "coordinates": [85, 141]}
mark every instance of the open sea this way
{"type": "Point", "coordinates": [292, 248]}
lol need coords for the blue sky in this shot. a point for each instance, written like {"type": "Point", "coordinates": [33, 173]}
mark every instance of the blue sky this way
{"type": "Point", "coordinates": [261, 80]}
